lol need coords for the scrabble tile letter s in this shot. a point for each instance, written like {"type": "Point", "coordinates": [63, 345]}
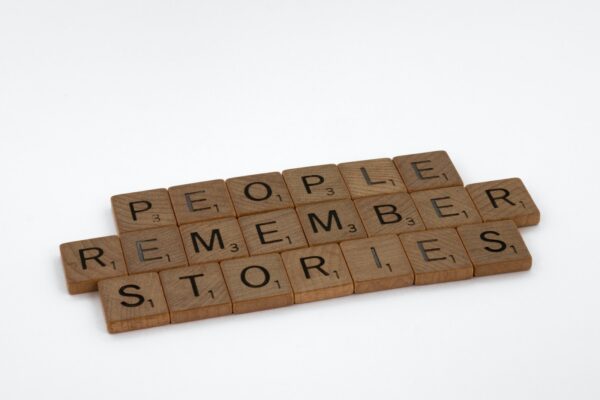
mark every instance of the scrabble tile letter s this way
{"type": "Point", "coordinates": [133, 302]}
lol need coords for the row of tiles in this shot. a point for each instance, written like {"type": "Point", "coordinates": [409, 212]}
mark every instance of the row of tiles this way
{"type": "Point", "coordinates": [259, 193]}
{"type": "Point", "coordinates": [312, 273]}
{"type": "Point", "coordinates": [313, 224]}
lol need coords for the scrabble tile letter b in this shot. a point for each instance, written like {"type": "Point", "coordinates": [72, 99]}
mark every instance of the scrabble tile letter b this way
{"type": "Point", "coordinates": [505, 199]}
{"type": "Point", "coordinates": [143, 210]}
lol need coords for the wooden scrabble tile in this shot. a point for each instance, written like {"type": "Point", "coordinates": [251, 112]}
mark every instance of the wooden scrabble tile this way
{"type": "Point", "coordinates": [377, 263]}
{"type": "Point", "coordinates": [87, 261]}
{"type": "Point", "coordinates": [143, 210]}
{"type": "Point", "coordinates": [257, 283]}
{"type": "Point", "coordinates": [272, 232]}
{"type": "Point", "coordinates": [215, 240]}
{"type": "Point", "coordinates": [315, 184]}
{"type": "Point", "coordinates": [331, 221]}
{"type": "Point", "coordinates": [201, 201]}
{"type": "Point", "coordinates": [437, 256]}
{"type": "Point", "coordinates": [259, 193]}
{"type": "Point", "coordinates": [133, 302]}
{"type": "Point", "coordinates": [153, 249]}
{"type": "Point", "coordinates": [427, 171]}
{"type": "Point", "coordinates": [504, 199]}
{"type": "Point", "coordinates": [195, 292]}
{"type": "Point", "coordinates": [371, 177]}
{"type": "Point", "coordinates": [495, 247]}
{"type": "Point", "coordinates": [318, 273]}
{"type": "Point", "coordinates": [446, 207]}
{"type": "Point", "coordinates": [389, 214]}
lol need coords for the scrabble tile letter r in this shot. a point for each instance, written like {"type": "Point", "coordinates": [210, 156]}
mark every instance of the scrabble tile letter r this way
{"type": "Point", "coordinates": [88, 261]}
{"type": "Point", "coordinates": [504, 199]}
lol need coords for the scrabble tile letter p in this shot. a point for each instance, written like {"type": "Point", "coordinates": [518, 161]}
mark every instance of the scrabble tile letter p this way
{"type": "Point", "coordinates": [143, 210]}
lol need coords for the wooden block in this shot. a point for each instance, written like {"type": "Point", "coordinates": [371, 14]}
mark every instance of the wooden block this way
{"type": "Point", "coordinates": [195, 292]}
{"type": "Point", "coordinates": [446, 207]}
{"type": "Point", "coordinates": [272, 232]}
{"type": "Point", "coordinates": [427, 171]}
{"type": "Point", "coordinates": [133, 302]}
{"type": "Point", "coordinates": [257, 283]}
{"type": "Point", "coordinates": [317, 273]}
{"type": "Point", "coordinates": [329, 222]}
{"type": "Point", "coordinates": [371, 177]}
{"type": "Point", "coordinates": [215, 240]}
{"type": "Point", "coordinates": [142, 210]}
{"type": "Point", "coordinates": [389, 214]}
{"type": "Point", "coordinates": [315, 184]}
{"type": "Point", "coordinates": [87, 261]}
{"type": "Point", "coordinates": [259, 193]}
{"type": "Point", "coordinates": [504, 199]}
{"type": "Point", "coordinates": [437, 256]}
{"type": "Point", "coordinates": [495, 247]}
{"type": "Point", "coordinates": [377, 263]}
{"type": "Point", "coordinates": [153, 249]}
{"type": "Point", "coordinates": [201, 201]}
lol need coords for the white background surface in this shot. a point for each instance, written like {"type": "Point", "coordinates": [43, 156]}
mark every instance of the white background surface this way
{"type": "Point", "coordinates": [117, 96]}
